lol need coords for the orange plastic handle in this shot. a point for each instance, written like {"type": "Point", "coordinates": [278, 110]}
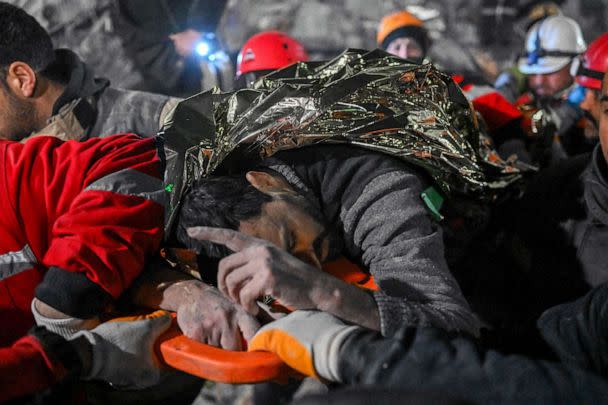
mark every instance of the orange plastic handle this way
{"type": "Point", "coordinates": [350, 273]}
{"type": "Point", "coordinates": [212, 363]}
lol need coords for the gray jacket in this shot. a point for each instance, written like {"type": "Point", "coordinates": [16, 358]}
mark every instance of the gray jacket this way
{"type": "Point", "coordinates": [373, 203]}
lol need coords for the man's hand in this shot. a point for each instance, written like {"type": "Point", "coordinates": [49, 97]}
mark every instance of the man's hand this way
{"type": "Point", "coordinates": [209, 317]}
{"type": "Point", "coordinates": [258, 268]}
{"type": "Point", "coordinates": [121, 351]}
{"type": "Point", "coordinates": [185, 42]}
{"type": "Point", "coordinates": [307, 341]}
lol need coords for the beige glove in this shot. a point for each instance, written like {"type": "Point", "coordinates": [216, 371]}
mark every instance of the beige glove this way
{"type": "Point", "coordinates": [307, 341]}
{"type": "Point", "coordinates": [122, 350]}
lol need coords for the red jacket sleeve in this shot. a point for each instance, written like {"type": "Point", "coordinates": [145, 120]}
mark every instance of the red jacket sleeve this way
{"type": "Point", "coordinates": [25, 368]}
{"type": "Point", "coordinates": [100, 204]}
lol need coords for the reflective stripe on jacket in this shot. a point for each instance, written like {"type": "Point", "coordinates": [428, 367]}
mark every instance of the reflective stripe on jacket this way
{"type": "Point", "coordinates": [78, 220]}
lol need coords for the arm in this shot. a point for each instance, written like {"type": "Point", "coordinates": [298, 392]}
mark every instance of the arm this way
{"type": "Point", "coordinates": [428, 359]}
{"type": "Point", "coordinates": [421, 360]}
{"type": "Point", "coordinates": [120, 351]}
{"type": "Point", "coordinates": [153, 51]}
{"type": "Point", "coordinates": [389, 228]}
{"type": "Point", "coordinates": [101, 222]}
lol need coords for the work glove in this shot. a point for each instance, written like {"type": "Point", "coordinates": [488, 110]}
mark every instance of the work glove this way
{"type": "Point", "coordinates": [307, 341]}
{"type": "Point", "coordinates": [122, 350]}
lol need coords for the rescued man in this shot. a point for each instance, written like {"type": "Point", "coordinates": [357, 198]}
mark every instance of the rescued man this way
{"type": "Point", "coordinates": [310, 205]}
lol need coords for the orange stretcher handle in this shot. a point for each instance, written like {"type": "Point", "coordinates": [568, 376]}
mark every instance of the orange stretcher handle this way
{"type": "Point", "coordinates": [350, 273]}
{"type": "Point", "coordinates": [212, 363]}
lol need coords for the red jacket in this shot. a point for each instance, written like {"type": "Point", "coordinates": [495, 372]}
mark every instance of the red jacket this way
{"type": "Point", "coordinates": [78, 220]}
{"type": "Point", "coordinates": [25, 368]}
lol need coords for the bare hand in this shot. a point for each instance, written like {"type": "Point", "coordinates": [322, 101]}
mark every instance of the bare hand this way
{"type": "Point", "coordinates": [209, 317]}
{"type": "Point", "coordinates": [185, 41]}
{"type": "Point", "coordinates": [259, 268]}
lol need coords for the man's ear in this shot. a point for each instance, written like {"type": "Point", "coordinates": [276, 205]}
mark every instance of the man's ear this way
{"type": "Point", "coordinates": [21, 79]}
{"type": "Point", "coordinates": [267, 183]}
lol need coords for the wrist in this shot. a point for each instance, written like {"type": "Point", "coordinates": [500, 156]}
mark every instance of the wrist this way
{"type": "Point", "coordinates": [354, 359]}
{"type": "Point", "coordinates": [328, 349]}
{"type": "Point", "coordinates": [82, 347]}
{"type": "Point", "coordinates": [326, 293]}
{"type": "Point", "coordinates": [348, 302]}
{"type": "Point", "coordinates": [66, 360]}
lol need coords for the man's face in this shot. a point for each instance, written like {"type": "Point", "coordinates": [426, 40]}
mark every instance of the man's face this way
{"type": "Point", "coordinates": [17, 116]}
{"type": "Point", "coordinates": [548, 85]}
{"type": "Point", "coordinates": [603, 114]}
{"type": "Point", "coordinates": [290, 222]}
{"type": "Point", "coordinates": [406, 48]}
{"type": "Point", "coordinates": [591, 109]}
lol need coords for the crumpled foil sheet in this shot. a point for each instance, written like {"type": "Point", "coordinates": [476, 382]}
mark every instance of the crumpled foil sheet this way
{"type": "Point", "coordinates": [369, 99]}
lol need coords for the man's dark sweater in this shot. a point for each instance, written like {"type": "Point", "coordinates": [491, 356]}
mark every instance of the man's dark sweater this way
{"type": "Point", "coordinates": [373, 203]}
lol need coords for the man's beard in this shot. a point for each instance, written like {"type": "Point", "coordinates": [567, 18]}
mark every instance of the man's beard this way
{"type": "Point", "coordinates": [20, 118]}
{"type": "Point", "coordinates": [546, 100]}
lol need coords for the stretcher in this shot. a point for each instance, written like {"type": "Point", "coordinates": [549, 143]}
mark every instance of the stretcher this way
{"type": "Point", "coordinates": [212, 363]}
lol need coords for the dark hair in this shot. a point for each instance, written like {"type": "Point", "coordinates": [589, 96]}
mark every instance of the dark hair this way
{"type": "Point", "coordinates": [221, 201]}
{"type": "Point", "coordinates": [23, 39]}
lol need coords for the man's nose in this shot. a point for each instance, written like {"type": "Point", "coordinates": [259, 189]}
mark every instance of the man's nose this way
{"type": "Point", "coordinates": [537, 80]}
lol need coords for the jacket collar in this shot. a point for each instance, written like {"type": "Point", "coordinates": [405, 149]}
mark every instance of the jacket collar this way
{"type": "Point", "coordinates": [82, 82]}
{"type": "Point", "coordinates": [596, 186]}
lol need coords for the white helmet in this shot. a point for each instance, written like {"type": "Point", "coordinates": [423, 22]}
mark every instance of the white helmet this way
{"type": "Point", "coordinates": [551, 44]}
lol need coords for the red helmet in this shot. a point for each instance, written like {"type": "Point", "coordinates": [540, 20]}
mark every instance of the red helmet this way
{"type": "Point", "coordinates": [594, 64]}
{"type": "Point", "coordinates": [269, 50]}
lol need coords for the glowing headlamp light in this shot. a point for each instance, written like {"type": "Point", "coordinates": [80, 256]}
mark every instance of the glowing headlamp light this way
{"type": "Point", "coordinates": [208, 48]}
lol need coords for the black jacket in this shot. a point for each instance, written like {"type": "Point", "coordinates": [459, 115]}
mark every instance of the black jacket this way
{"type": "Point", "coordinates": [429, 360]}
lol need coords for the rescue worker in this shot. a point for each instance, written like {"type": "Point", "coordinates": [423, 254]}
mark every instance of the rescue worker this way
{"type": "Point", "coordinates": [52, 92]}
{"type": "Point", "coordinates": [589, 72]}
{"type": "Point", "coordinates": [403, 35]}
{"type": "Point", "coordinates": [583, 220]}
{"type": "Point", "coordinates": [84, 107]}
{"type": "Point", "coordinates": [552, 44]}
{"type": "Point", "coordinates": [80, 219]}
{"type": "Point", "coordinates": [267, 51]}
{"type": "Point", "coordinates": [428, 364]}
{"type": "Point", "coordinates": [557, 229]}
